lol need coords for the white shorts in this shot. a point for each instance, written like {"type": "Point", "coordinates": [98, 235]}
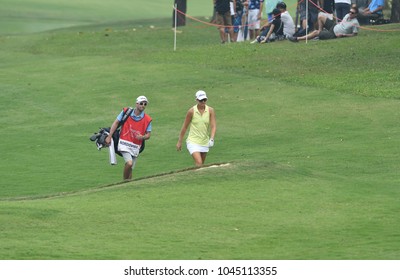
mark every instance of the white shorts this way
{"type": "Point", "coordinates": [128, 157]}
{"type": "Point", "coordinates": [196, 148]}
{"type": "Point", "coordinates": [254, 22]}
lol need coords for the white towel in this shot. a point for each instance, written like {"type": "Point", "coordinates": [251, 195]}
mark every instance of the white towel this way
{"type": "Point", "coordinates": [111, 151]}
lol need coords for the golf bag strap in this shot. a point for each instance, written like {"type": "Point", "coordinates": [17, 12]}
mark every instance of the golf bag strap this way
{"type": "Point", "coordinates": [126, 115]}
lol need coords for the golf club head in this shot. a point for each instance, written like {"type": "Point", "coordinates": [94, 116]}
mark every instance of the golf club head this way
{"type": "Point", "coordinates": [102, 139]}
{"type": "Point", "coordinates": [94, 137]}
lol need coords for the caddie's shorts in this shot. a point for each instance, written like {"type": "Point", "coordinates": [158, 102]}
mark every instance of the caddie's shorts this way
{"type": "Point", "coordinates": [128, 157]}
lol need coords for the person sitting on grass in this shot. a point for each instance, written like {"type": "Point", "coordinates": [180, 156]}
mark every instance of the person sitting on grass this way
{"type": "Point", "coordinates": [271, 31]}
{"type": "Point", "coordinates": [288, 23]}
{"type": "Point", "coordinates": [373, 11]}
{"type": "Point", "coordinates": [327, 29]}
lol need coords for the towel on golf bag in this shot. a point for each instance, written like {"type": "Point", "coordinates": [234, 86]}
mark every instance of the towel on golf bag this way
{"type": "Point", "coordinates": [111, 153]}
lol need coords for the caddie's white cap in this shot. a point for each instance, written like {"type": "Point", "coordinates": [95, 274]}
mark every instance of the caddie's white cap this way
{"type": "Point", "coordinates": [201, 94]}
{"type": "Point", "coordinates": [141, 98]}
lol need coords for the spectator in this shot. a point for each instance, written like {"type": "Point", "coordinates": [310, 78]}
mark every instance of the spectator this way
{"type": "Point", "coordinates": [287, 20]}
{"type": "Point", "coordinates": [328, 6]}
{"type": "Point", "coordinates": [288, 23]}
{"type": "Point", "coordinates": [373, 11]}
{"type": "Point", "coordinates": [223, 18]}
{"type": "Point", "coordinates": [313, 9]}
{"type": "Point", "coordinates": [237, 19]}
{"type": "Point", "coordinates": [342, 8]}
{"type": "Point", "coordinates": [254, 18]}
{"type": "Point", "coordinates": [272, 31]}
{"type": "Point", "coordinates": [348, 27]}
{"type": "Point", "coordinates": [245, 29]}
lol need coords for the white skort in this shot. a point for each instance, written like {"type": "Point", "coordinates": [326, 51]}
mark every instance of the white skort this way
{"type": "Point", "coordinates": [196, 148]}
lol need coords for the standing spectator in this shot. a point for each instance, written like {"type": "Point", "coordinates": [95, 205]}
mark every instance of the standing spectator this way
{"type": "Point", "coordinates": [313, 9]}
{"type": "Point", "coordinates": [202, 121]}
{"type": "Point", "coordinates": [223, 18]}
{"type": "Point", "coordinates": [328, 6]}
{"type": "Point", "coordinates": [254, 19]}
{"type": "Point", "coordinates": [342, 8]}
{"type": "Point", "coordinates": [134, 131]}
{"type": "Point", "coordinates": [237, 19]}
{"type": "Point", "coordinates": [348, 27]}
{"type": "Point", "coordinates": [246, 35]}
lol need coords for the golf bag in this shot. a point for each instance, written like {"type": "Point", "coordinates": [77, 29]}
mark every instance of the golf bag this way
{"type": "Point", "coordinates": [100, 137]}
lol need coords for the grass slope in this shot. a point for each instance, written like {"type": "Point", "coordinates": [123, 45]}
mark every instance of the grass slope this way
{"type": "Point", "coordinates": [280, 213]}
{"type": "Point", "coordinates": [311, 132]}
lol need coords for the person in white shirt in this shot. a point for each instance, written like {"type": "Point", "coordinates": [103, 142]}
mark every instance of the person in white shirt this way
{"type": "Point", "coordinates": [348, 27]}
{"type": "Point", "coordinates": [255, 8]}
{"type": "Point", "coordinates": [286, 18]}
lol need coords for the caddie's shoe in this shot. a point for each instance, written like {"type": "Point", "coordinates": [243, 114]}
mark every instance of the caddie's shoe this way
{"type": "Point", "coordinates": [293, 39]}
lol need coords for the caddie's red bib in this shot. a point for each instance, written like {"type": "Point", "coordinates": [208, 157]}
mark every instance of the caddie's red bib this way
{"type": "Point", "coordinates": [131, 128]}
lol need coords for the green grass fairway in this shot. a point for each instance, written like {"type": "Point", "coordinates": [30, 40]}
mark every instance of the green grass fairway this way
{"type": "Point", "coordinates": [24, 16]}
{"type": "Point", "coordinates": [306, 157]}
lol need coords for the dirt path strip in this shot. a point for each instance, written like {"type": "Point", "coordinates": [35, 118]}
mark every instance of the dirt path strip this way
{"type": "Point", "coordinates": [113, 185]}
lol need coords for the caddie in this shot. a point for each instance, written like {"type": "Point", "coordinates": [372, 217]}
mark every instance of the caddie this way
{"type": "Point", "coordinates": [135, 130]}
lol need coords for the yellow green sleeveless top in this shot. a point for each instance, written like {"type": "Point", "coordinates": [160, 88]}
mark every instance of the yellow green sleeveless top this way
{"type": "Point", "coordinates": [199, 127]}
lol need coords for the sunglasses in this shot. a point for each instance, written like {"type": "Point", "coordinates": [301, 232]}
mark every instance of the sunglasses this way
{"type": "Point", "coordinates": [353, 13]}
{"type": "Point", "coordinates": [203, 100]}
{"type": "Point", "coordinates": [143, 103]}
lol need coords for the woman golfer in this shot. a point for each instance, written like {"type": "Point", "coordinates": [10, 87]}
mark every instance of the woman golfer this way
{"type": "Point", "coordinates": [201, 119]}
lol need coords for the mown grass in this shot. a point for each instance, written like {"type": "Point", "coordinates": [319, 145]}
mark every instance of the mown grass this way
{"type": "Point", "coordinates": [310, 132]}
{"type": "Point", "coordinates": [24, 17]}
{"type": "Point", "coordinates": [280, 213]}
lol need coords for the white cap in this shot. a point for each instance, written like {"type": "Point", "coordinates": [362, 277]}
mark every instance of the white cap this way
{"type": "Point", "coordinates": [141, 99]}
{"type": "Point", "coordinates": [200, 95]}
